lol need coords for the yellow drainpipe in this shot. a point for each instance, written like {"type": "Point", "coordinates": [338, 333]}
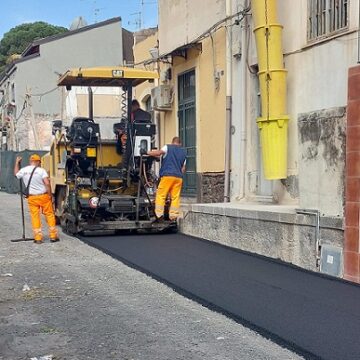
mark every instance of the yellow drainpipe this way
{"type": "Point", "coordinates": [273, 123]}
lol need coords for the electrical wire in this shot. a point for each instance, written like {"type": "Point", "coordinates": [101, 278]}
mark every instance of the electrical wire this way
{"type": "Point", "coordinates": [22, 111]}
{"type": "Point", "coordinates": [45, 93]}
{"type": "Point", "coordinates": [113, 190]}
{"type": "Point", "coordinates": [218, 25]}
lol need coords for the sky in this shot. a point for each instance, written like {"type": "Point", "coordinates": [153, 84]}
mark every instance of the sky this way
{"type": "Point", "coordinates": [62, 12]}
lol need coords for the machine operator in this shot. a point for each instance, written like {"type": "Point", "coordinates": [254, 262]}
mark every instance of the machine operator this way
{"type": "Point", "coordinates": [138, 116]}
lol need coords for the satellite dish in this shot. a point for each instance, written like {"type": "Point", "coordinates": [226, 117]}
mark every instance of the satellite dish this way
{"type": "Point", "coordinates": [78, 23]}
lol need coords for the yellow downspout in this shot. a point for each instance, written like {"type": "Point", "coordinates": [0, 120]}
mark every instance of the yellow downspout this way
{"type": "Point", "coordinates": [273, 123]}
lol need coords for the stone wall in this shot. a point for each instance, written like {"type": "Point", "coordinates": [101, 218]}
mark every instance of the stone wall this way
{"type": "Point", "coordinates": [211, 187]}
{"type": "Point", "coordinates": [285, 236]}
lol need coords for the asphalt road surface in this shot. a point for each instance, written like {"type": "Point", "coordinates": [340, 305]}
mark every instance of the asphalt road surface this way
{"type": "Point", "coordinates": [79, 303]}
{"type": "Point", "coordinates": [316, 315]}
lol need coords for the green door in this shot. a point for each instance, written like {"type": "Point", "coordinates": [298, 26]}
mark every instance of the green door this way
{"type": "Point", "coordinates": [187, 128]}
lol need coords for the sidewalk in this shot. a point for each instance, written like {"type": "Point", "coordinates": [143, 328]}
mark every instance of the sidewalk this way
{"type": "Point", "coordinates": [80, 304]}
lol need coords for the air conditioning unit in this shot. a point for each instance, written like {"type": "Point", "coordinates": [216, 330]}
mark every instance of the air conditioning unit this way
{"type": "Point", "coordinates": [161, 97]}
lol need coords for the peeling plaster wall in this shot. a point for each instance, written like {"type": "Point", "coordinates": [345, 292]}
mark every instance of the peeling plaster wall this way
{"type": "Point", "coordinates": [322, 160]}
{"type": "Point", "coordinates": [316, 79]}
{"type": "Point", "coordinates": [25, 133]}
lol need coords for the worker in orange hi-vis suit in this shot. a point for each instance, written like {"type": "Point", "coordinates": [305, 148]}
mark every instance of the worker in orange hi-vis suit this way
{"type": "Point", "coordinates": [171, 173]}
{"type": "Point", "coordinates": [39, 196]}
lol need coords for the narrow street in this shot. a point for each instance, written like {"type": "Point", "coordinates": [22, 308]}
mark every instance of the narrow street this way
{"type": "Point", "coordinates": [82, 304]}
{"type": "Point", "coordinates": [203, 160]}
{"type": "Point", "coordinates": [292, 305]}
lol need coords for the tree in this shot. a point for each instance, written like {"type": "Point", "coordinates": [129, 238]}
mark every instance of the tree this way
{"type": "Point", "coordinates": [18, 38]}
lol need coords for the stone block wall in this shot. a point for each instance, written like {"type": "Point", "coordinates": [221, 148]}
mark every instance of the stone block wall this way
{"type": "Point", "coordinates": [211, 187]}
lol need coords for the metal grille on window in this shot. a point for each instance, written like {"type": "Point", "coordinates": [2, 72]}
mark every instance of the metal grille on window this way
{"type": "Point", "coordinates": [326, 17]}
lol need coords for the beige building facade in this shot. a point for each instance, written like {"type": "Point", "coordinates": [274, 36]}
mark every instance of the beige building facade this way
{"type": "Point", "coordinates": [196, 76]}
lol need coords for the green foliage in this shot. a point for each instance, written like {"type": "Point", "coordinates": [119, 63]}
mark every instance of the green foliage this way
{"type": "Point", "coordinates": [18, 38]}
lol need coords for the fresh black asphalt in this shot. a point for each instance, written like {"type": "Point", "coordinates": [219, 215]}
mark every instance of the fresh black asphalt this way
{"type": "Point", "coordinates": [316, 315]}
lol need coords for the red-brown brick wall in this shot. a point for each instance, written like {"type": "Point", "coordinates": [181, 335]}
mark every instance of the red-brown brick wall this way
{"type": "Point", "coordinates": [352, 179]}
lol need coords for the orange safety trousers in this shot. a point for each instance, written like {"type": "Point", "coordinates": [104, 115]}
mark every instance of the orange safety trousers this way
{"type": "Point", "coordinates": [44, 203]}
{"type": "Point", "coordinates": [168, 185]}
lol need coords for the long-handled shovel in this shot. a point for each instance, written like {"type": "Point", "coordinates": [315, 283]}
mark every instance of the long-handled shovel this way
{"type": "Point", "coordinates": [23, 238]}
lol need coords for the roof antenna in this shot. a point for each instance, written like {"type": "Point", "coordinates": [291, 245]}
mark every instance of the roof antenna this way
{"type": "Point", "coordinates": [138, 20]}
{"type": "Point", "coordinates": [142, 12]}
{"type": "Point", "coordinates": [96, 10]}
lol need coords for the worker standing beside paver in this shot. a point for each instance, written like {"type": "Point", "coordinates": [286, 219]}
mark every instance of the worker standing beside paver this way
{"type": "Point", "coordinates": [38, 193]}
{"type": "Point", "coordinates": [171, 174]}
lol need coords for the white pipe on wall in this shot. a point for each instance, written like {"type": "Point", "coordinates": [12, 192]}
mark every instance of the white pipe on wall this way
{"type": "Point", "coordinates": [228, 102]}
{"type": "Point", "coordinates": [244, 73]}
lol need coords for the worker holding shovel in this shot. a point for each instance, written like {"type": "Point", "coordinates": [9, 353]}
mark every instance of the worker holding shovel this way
{"type": "Point", "coordinates": [38, 193]}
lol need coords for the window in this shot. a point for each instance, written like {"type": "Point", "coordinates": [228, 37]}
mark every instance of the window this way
{"type": "Point", "coordinates": [326, 17]}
